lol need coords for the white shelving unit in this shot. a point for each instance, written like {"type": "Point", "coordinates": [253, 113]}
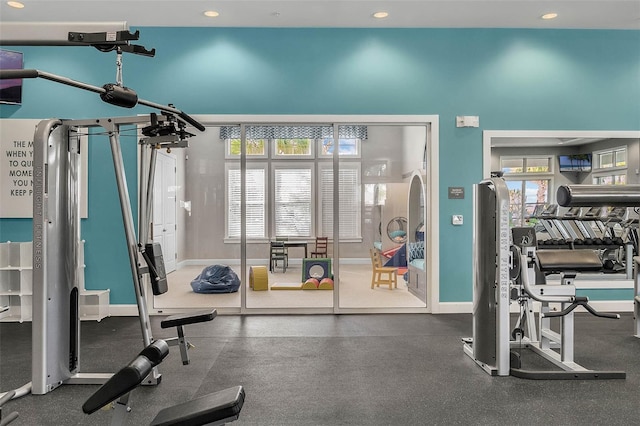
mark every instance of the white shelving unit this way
{"type": "Point", "coordinates": [16, 286]}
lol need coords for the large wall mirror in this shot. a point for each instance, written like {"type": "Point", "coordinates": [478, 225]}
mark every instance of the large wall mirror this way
{"type": "Point", "coordinates": [535, 163]}
{"type": "Point", "coordinates": [541, 161]}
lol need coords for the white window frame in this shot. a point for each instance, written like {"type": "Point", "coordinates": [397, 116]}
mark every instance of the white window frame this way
{"type": "Point", "coordinates": [343, 165]}
{"type": "Point", "coordinates": [279, 165]}
{"type": "Point", "coordinates": [600, 172]}
{"type": "Point", "coordinates": [524, 158]}
{"type": "Point", "coordinates": [597, 167]}
{"type": "Point", "coordinates": [358, 154]}
{"type": "Point", "coordinates": [276, 156]}
{"type": "Point", "coordinates": [229, 156]}
{"type": "Point", "coordinates": [235, 165]}
{"type": "Point", "coordinates": [526, 176]}
{"type": "Point", "coordinates": [598, 177]}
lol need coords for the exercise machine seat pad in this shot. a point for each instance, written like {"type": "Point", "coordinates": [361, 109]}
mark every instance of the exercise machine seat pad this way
{"type": "Point", "coordinates": [188, 318]}
{"type": "Point", "coordinates": [224, 404]}
{"type": "Point", "coordinates": [119, 384]}
{"type": "Point", "coordinates": [156, 351]}
{"type": "Point", "coordinates": [568, 260]}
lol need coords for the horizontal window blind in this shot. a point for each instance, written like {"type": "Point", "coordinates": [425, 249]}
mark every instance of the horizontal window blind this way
{"type": "Point", "coordinates": [255, 200]}
{"type": "Point", "coordinates": [349, 196]}
{"type": "Point", "coordinates": [293, 202]}
{"type": "Point", "coordinates": [294, 132]}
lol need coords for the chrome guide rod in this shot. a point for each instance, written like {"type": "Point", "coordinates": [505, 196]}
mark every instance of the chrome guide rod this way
{"type": "Point", "coordinates": [127, 218]}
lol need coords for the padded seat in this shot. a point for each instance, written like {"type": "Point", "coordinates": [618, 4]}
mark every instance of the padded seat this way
{"type": "Point", "coordinates": [188, 318]}
{"type": "Point", "coordinates": [129, 377]}
{"type": "Point", "coordinates": [568, 260]}
{"type": "Point", "coordinates": [221, 406]}
{"type": "Point", "coordinates": [181, 320]}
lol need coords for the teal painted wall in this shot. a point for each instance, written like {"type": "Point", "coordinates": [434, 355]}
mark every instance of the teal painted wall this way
{"type": "Point", "coordinates": [512, 79]}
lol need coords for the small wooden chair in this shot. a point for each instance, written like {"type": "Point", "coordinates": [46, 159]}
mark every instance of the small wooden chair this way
{"type": "Point", "coordinates": [321, 247]}
{"type": "Point", "coordinates": [382, 275]}
{"type": "Point", "coordinates": [278, 252]}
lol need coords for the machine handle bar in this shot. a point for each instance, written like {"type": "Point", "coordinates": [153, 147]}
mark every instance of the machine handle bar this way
{"type": "Point", "coordinates": [580, 301]}
{"type": "Point", "coordinates": [33, 73]}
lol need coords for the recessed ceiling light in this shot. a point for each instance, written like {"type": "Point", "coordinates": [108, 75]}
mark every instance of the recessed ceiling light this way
{"type": "Point", "coordinates": [211, 13]}
{"type": "Point", "coordinates": [380, 15]}
{"type": "Point", "coordinates": [15, 4]}
{"type": "Point", "coordinates": [549, 16]}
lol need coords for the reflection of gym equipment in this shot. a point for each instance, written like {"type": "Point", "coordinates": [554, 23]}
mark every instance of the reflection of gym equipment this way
{"type": "Point", "coordinates": [619, 197]}
{"type": "Point", "coordinates": [505, 273]}
{"type": "Point", "coordinates": [606, 230]}
{"type": "Point", "coordinates": [195, 412]}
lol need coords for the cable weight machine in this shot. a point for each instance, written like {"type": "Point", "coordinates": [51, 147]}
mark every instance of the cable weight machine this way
{"type": "Point", "coordinates": [510, 269]}
{"type": "Point", "coordinates": [56, 248]}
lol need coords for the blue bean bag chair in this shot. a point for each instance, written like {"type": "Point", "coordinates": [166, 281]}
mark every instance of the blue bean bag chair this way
{"type": "Point", "coordinates": [216, 279]}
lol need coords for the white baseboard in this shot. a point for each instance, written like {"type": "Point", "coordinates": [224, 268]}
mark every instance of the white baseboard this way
{"type": "Point", "coordinates": [250, 262]}
{"type": "Point", "coordinates": [453, 308]}
{"type": "Point", "coordinates": [123, 310]}
{"type": "Point", "coordinates": [615, 306]}
{"type": "Point", "coordinates": [208, 262]}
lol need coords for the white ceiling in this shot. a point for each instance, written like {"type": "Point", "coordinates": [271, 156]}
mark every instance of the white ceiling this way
{"type": "Point", "coordinates": [584, 14]}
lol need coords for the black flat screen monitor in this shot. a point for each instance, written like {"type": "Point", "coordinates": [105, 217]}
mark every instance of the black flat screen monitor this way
{"type": "Point", "coordinates": [575, 163]}
{"type": "Point", "coordinates": [11, 89]}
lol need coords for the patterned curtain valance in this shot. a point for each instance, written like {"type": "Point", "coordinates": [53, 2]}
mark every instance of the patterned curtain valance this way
{"type": "Point", "coordinates": [294, 132]}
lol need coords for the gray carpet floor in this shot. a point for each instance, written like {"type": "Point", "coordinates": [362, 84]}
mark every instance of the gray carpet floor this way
{"type": "Point", "coordinates": [339, 370]}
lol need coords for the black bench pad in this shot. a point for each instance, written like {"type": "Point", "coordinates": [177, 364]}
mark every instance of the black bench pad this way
{"type": "Point", "coordinates": [225, 404]}
{"type": "Point", "coordinates": [129, 377]}
{"type": "Point", "coordinates": [568, 260]}
{"type": "Point", "coordinates": [156, 351]}
{"type": "Point", "coordinates": [188, 318]}
{"type": "Point", "coordinates": [120, 383]}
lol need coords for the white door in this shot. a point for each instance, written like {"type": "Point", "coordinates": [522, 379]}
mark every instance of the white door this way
{"type": "Point", "coordinates": [164, 208]}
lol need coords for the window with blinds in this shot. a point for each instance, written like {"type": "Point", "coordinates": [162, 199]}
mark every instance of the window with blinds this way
{"type": "Point", "coordinates": [255, 201]}
{"type": "Point", "coordinates": [610, 166]}
{"type": "Point", "coordinates": [349, 196]}
{"type": "Point", "coordinates": [293, 201]}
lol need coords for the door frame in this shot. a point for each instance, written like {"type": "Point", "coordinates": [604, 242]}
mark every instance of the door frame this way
{"type": "Point", "coordinates": [432, 212]}
{"type": "Point", "coordinates": [173, 159]}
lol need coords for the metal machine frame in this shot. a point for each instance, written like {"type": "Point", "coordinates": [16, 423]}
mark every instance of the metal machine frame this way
{"type": "Point", "coordinates": [56, 229]}
{"type": "Point", "coordinates": [613, 196]}
{"type": "Point", "coordinates": [636, 296]}
{"type": "Point", "coordinates": [56, 218]}
{"type": "Point", "coordinates": [489, 347]}
{"type": "Point", "coordinates": [504, 273]}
